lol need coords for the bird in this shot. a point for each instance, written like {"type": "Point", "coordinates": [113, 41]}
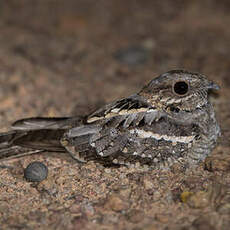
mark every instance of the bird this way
{"type": "Point", "coordinates": [170, 120]}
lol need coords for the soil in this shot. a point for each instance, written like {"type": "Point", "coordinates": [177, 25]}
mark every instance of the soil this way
{"type": "Point", "coordinates": [61, 58]}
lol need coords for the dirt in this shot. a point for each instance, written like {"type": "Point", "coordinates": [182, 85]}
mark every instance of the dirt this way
{"type": "Point", "coordinates": [61, 58]}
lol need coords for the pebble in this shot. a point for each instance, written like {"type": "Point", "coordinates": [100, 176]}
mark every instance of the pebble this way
{"type": "Point", "coordinates": [217, 163]}
{"type": "Point", "coordinates": [133, 55]}
{"type": "Point", "coordinates": [116, 204]}
{"type": "Point", "coordinates": [36, 172]}
{"type": "Point", "coordinates": [224, 208]}
{"type": "Point", "coordinates": [125, 193]}
{"type": "Point", "coordinates": [178, 168]}
{"type": "Point", "coordinates": [185, 196]}
{"type": "Point", "coordinates": [199, 199]}
{"type": "Point", "coordinates": [88, 209]}
{"type": "Point", "coordinates": [202, 223]}
{"type": "Point", "coordinates": [135, 215]}
{"type": "Point", "coordinates": [148, 184]}
{"type": "Point", "coordinates": [163, 218]}
{"type": "Point", "coordinates": [108, 170]}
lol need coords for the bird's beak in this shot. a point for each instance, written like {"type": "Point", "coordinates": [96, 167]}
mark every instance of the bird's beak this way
{"type": "Point", "coordinates": [212, 85]}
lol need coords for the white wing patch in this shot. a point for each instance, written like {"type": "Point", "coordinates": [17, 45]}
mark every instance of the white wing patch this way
{"type": "Point", "coordinates": [147, 134]}
{"type": "Point", "coordinates": [124, 107]}
{"type": "Point", "coordinates": [117, 112]}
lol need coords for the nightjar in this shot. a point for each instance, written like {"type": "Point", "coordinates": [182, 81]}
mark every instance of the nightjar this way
{"type": "Point", "coordinates": [170, 120]}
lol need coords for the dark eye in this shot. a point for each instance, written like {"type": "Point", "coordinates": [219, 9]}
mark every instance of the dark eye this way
{"type": "Point", "coordinates": [180, 88]}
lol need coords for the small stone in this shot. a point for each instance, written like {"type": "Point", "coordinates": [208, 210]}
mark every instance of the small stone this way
{"type": "Point", "coordinates": [116, 204]}
{"type": "Point", "coordinates": [135, 216]}
{"type": "Point", "coordinates": [108, 170]}
{"type": "Point", "coordinates": [185, 195]}
{"type": "Point", "coordinates": [200, 199]}
{"type": "Point", "coordinates": [4, 207]}
{"type": "Point", "coordinates": [48, 187]}
{"type": "Point", "coordinates": [163, 218]}
{"type": "Point", "coordinates": [133, 55]}
{"type": "Point", "coordinates": [17, 169]}
{"type": "Point", "coordinates": [36, 172]}
{"type": "Point", "coordinates": [125, 193]}
{"type": "Point", "coordinates": [137, 164]}
{"type": "Point", "coordinates": [224, 208]}
{"type": "Point", "coordinates": [152, 227]}
{"type": "Point", "coordinates": [203, 223]}
{"type": "Point", "coordinates": [148, 184]}
{"type": "Point", "coordinates": [177, 168]}
{"type": "Point", "coordinates": [217, 163]}
{"type": "Point", "coordinates": [88, 209]}
{"type": "Point", "coordinates": [75, 208]}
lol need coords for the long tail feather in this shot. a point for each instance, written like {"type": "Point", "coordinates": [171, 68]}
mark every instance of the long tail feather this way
{"type": "Point", "coordinates": [36, 123]}
{"type": "Point", "coordinates": [34, 135]}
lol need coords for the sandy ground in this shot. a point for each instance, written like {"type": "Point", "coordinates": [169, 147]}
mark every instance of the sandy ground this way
{"type": "Point", "coordinates": [60, 58]}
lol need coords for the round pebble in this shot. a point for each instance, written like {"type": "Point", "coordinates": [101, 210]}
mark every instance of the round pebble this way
{"type": "Point", "coordinates": [133, 55]}
{"type": "Point", "coordinates": [36, 172]}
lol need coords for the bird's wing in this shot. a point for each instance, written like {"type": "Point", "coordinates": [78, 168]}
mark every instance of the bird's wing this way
{"type": "Point", "coordinates": [128, 110]}
{"type": "Point", "coordinates": [129, 129]}
{"type": "Point", "coordinates": [106, 131]}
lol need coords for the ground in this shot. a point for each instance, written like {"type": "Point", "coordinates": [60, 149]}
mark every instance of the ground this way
{"type": "Point", "coordinates": [60, 58]}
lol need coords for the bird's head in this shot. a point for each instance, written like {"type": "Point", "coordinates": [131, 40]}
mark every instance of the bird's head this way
{"type": "Point", "coordinates": [178, 90]}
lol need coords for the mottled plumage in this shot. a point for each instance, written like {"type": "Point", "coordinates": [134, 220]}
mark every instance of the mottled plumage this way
{"type": "Point", "coordinates": [170, 120]}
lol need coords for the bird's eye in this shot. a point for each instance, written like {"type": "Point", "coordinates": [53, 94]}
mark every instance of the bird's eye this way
{"type": "Point", "coordinates": [180, 88]}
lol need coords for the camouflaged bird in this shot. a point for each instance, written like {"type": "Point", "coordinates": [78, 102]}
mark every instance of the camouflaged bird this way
{"type": "Point", "coordinates": [170, 120]}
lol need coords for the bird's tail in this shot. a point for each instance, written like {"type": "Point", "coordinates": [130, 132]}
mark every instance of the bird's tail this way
{"type": "Point", "coordinates": [34, 135]}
